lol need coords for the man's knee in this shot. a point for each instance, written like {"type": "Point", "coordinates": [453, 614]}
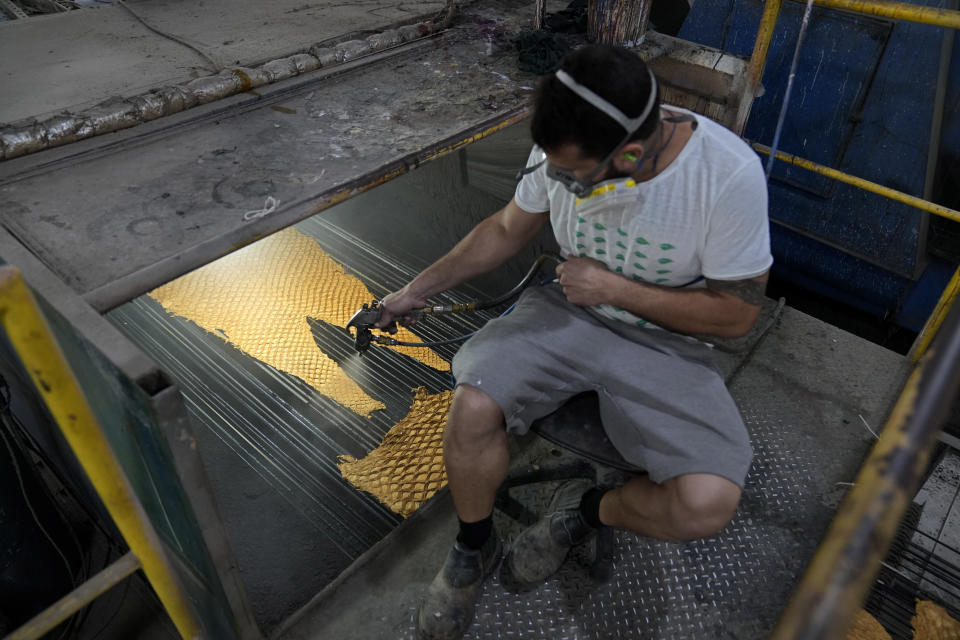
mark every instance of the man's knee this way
{"type": "Point", "coordinates": [474, 417]}
{"type": "Point", "coordinates": [702, 505]}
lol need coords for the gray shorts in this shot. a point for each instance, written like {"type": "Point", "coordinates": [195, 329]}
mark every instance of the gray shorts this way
{"type": "Point", "coordinates": [663, 404]}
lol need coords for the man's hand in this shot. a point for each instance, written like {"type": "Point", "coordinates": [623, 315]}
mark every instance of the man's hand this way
{"type": "Point", "coordinates": [586, 282]}
{"type": "Point", "coordinates": [395, 307]}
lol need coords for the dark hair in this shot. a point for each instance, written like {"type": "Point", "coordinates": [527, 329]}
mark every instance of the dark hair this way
{"type": "Point", "coordinates": [561, 117]}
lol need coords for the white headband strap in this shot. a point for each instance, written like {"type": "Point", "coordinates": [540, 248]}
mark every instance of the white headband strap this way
{"type": "Point", "coordinates": [629, 124]}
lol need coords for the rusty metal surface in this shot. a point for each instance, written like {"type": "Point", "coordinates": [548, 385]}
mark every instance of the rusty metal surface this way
{"type": "Point", "coordinates": [122, 214]}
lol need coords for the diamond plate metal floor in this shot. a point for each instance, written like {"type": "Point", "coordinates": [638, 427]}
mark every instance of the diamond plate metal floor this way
{"type": "Point", "coordinates": [805, 396]}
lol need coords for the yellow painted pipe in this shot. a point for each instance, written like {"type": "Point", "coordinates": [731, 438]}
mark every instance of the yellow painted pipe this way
{"type": "Point", "coordinates": [823, 606]}
{"type": "Point", "coordinates": [761, 46]}
{"type": "Point", "coordinates": [898, 11]}
{"type": "Point", "coordinates": [947, 298]}
{"type": "Point", "coordinates": [77, 599]}
{"type": "Point", "coordinates": [30, 336]}
{"type": "Point", "coordinates": [893, 194]}
{"type": "Point", "coordinates": [842, 571]}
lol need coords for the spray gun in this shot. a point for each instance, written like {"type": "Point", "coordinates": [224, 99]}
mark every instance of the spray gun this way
{"type": "Point", "coordinates": [367, 317]}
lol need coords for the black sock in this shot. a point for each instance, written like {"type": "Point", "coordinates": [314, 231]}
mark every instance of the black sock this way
{"type": "Point", "coordinates": [590, 506]}
{"type": "Point", "coordinates": [473, 534]}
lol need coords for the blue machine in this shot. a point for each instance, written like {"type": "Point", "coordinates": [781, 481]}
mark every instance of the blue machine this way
{"type": "Point", "coordinates": [863, 102]}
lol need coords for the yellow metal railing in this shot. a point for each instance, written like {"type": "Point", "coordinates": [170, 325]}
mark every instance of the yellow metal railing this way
{"type": "Point", "coordinates": [893, 194]}
{"type": "Point", "coordinates": [946, 302]}
{"type": "Point", "coordinates": [837, 580]}
{"type": "Point", "coordinates": [949, 295]}
{"type": "Point", "coordinates": [42, 358]}
{"type": "Point", "coordinates": [761, 47]}
{"type": "Point", "coordinates": [49, 618]}
{"type": "Point", "coordinates": [847, 560]}
{"type": "Point", "coordinates": [898, 10]}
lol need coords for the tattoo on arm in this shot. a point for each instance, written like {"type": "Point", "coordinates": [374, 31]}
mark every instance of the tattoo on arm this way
{"type": "Point", "coordinates": [750, 291]}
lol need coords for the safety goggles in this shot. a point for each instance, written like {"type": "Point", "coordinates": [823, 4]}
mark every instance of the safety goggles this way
{"type": "Point", "coordinates": [576, 185]}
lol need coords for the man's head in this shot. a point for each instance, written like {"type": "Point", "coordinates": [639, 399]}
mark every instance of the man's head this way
{"type": "Point", "coordinates": [562, 117]}
{"type": "Point", "coordinates": [575, 132]}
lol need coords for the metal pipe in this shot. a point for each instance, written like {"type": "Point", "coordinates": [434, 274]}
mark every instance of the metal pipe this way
{"type": "Point", "coordinates": [935, 319]}
{"type": "Point", "coordinates": [758, 59]}
{"type": "Point", "coordinates": [37, 348]}
{"type": "Point", "coordinates": [786, 96]}
{"type": "Point", "coordinates": [122, 113]}
{"type": "Point", "coordinates": [898, 11]}
{"type": "Point", "coordinates": [873, 187]}
{"type": "Point", "coordinates": [77, 599]}
{"type": "Point", "coordinates": [837, 580]}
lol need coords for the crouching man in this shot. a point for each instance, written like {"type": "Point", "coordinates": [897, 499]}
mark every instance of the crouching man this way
{"type": "Point", "coordinates": [662, 216]}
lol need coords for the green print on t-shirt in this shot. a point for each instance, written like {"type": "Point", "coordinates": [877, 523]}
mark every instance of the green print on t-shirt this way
{"type": "Point", "coordinates": [623, 251]}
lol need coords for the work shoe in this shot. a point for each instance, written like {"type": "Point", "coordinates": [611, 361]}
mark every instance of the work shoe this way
{"type": "Point", "coordinates": [539, 550]}
{"type": "Point", "coordinates": [448, 607]}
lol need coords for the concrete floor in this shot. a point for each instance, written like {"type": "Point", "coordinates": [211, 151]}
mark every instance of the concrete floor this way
{"type": "Point", "coordinates": [80, 58]}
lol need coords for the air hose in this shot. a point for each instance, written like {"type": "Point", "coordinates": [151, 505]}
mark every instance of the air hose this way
{"type": "Point", "coordinates": [474, 305]}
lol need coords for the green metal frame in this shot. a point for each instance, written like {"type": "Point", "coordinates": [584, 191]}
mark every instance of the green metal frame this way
{"type": "Point", "coordinates": [46, 364]}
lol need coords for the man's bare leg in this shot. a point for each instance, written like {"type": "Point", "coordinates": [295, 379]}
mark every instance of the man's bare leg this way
{"type": "Point", "coordinates": [477, 459]}
{"type": "Point", "coordinates": [687, 507]}
{"type": "Point", "coordinates": [683, 508]}
{"type": "Point", "coordinates": [475, 452]}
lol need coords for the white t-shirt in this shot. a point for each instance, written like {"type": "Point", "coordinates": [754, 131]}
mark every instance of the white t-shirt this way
{"type": "Point", "coordinates": [705, 216]}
